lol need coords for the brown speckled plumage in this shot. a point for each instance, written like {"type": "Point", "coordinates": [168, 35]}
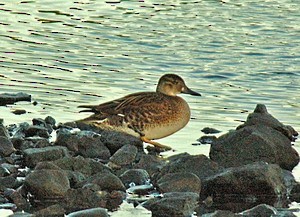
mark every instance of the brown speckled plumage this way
{"type": "Point", "coordinates": [148, 115]}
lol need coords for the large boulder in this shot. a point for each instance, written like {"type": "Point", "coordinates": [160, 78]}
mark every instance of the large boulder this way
{"type": "Point", "coordinates": [258, 182]}
{"type": "Point", "coordinates": [261, 138]}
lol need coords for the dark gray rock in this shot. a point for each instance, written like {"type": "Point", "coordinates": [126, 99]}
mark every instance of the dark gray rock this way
{"type": "Point", "coordinates": [36, 130]}
{"type": "Point", "coordinates": [261, 138]}
{"type": "Point", "coordinates": [220, 213]}
{"type": "Point", "coordinates": [262, 210]}
{"type": "Point", "coordinates": [113, 140]}
{"type": "Point", "coordinates": [7, 169]}
{"type": "Point", "coordinates": [55, 210]}
{"type": "Point", "coordinates": [87, 166]}
{"type": "Point", "coordinates": [200, 165]}
{"type": "Point", "coordinates": [84, 198]}
{"type": "Point", "coordinates": [258, 182]}
{"type": "Point", "coordinates": [6, 146]}
{"type": "Point", "coordinates": [3, 131]}
{"type": "Point", "coordinates": [85, 143]}
{"type": "Point", "coordinates": [21, 202]}
{"type": "Point", "coordinates": [126, 155]}
{"type": "Point", "coordinates": [136, 176]}
{"type": "Point", "coordinates": [44, 183]}
{"type": "Point", "coordinates": [33, 156]}
{"type": "Point", "coordinates": [208, 130]}
{"type": "Point", "coordinates": [8, 182]}
{"type": "Point", "coordinates": [179, 182]}
{"type": "Point", "coordinates": [251, 144]}
{"type": "Point", "coordinates": [295, 193]}
{"type": "Point", "coordinates": [106, 181]}
{"type": "Point", "coordinates": [173, 204]}
{"type": "Point", "coordinates": [9, 98]}
{"type": "Point", "coordinates": [260, 116]}
{"type": "Point", "coordinates": [51, 121]}
{"type": "Point", "coordinates": [22, 214]}
{"type": "Point", "coordinates": [150, 163]}
{"type": "Point", "coordinates": [94, 212]}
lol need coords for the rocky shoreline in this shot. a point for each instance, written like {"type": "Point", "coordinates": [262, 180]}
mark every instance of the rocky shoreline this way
{"type": "Point", "coordinates": [87, 172]}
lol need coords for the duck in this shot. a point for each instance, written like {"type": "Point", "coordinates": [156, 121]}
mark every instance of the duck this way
{"type": "Point", "coordinates": [146, 115]}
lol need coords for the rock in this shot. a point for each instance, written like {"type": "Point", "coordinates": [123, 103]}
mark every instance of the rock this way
{"type": "Point", "coordinates": [34, 155]}
{"type": "Point", "coordinates": [3, 131]}
{"type": "Point", "coordinates": [94, 212]}
{"type": "Point", "coordinates": [257, 182]}
{"type": "Point", "coordinates": [22, 214]}
{"type": "Point", "coordinates": [136, 176]}
{"type": "Point", "coordinates": [220, 213]}
{"type": "Point", "coordinates": [42, 123]}
{"type": "Point", "coordinates": [206, 139]}
{"type": "Point", "coordinates": [44, 183]}
{"type": "Point", "coordinates": [295, 193]}
{"type": "Point", "coordinates": [126, 155]}
{"type": "Point", "coordinates": [6, 146]}
{"type": "Point", "coordinates": [173, 204]}
{"type": "Point", "coordinates": [85, 143]}
{"type": "Point", "coordinates": [36, 130]}
{"type": "Point", "coordinates": [9, 98]}
{"type": "Point", "coordinates": [208, 130]}
{"type": "Point", "coordinates": [260, 116]}
{"type": "Point", "coordinates": [7, 169]}
{"type": "Point", "coordinates": [254, 143]}
{"type": "Point", "coordinates": [113, 140]}
{"type": "Point", "coordinates": [150, 163]}
{"type": "Point", "coordinates": [84, 198]}
{"type": "Point", "coordinates": [19, 111]}
{"type": "Point", "coordinates": [54, 210]}
{"type": "Point", "coordinates": [87, 167]}
{"type": "Point", "coordinates": [262, 210]}
{"type": "Point", "coordinates": [8, 182]}
{"type": "Point", "coordinates": [200, 165]}
{"type": "Point", "coordinates": [17, 198]}
{"type": "Point", "coordinates": [51, 121]}
{"type": "Point", "coordinates": [106, 181]}
{"type": "Point", "coordinates": [179, 182]}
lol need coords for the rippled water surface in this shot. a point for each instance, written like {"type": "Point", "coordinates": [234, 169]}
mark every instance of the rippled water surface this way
{"type": "Point", "coordinates": [236, 53]}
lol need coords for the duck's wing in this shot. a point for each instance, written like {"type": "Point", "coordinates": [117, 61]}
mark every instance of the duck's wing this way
{"type": "Point", "coordinates": [117, 105]}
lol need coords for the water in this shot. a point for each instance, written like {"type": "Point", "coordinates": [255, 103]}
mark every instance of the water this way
{"type": "Point", "coordinates": [235, 53]}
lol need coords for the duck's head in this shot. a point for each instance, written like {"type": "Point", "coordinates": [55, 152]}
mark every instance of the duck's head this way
{"type": "Point", "coordinates": [171, 84]}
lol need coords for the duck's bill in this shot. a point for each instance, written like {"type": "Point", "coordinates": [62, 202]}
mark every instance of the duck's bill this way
{"type": "Point", "coordinates": [191, 92]}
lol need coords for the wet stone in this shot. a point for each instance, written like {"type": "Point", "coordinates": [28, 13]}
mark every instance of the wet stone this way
{"type": "Point", "coordinates": [51, 121]}
{"type": "Point", "coordinates": [22, 203]}
{"type": "Point", "coordinates": [22, 214]}
{"type": "Point", "coordinates": [220, 213]}
{"type": "Point", "coordinates": [34, 155]}
{"type": "Point", "coordinates": [6, 146]}
{"type": "Point", "coordinates": [3, 131]}
{"type": "Point", "coordinates": [9, 98]}
{"type": "Point", "coordinates": [8, 182]}
{"type": "Point", "coordinates": [179, 182]}
{"type": "Point", "coordinates": [136, 176]}
{"type": "Point", "coordinates": [94, 212]}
